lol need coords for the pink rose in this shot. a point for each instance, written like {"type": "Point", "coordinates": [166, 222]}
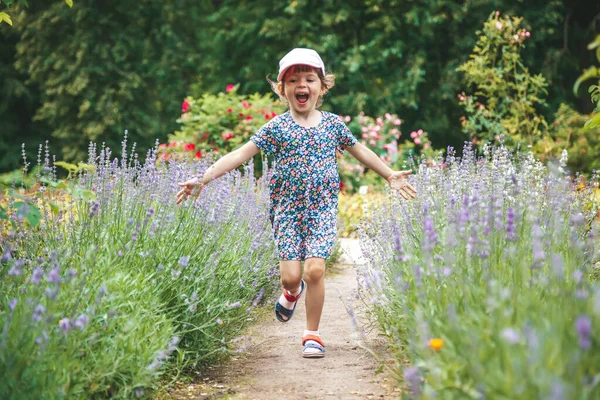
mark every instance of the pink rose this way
{"type": "Point", "coordinates": [230, 87]}
{"type": "Point", "coordinates": [417, 141]}
{"type": "Point", "coordinates": [413, 134]}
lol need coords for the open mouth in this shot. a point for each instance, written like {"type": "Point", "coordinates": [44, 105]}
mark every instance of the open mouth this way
{"type": "Point", "coordinates": [302, 98]}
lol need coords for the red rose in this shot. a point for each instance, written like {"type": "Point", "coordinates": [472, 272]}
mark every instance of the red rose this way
{"type": "Point", "coordinates": [198, 154]}
{"type": "Point", "coordinates": [189, 146]}
{"type": "Point", "coordinates": [229, 110]}
{"type": "Point", "coordinates": [249, 117]}
{"type": "Point", "coordinates": [226, 135]}
{"type": "Point", "coordinates": [267, 116]}
{"type": "Point", "coordinates": [172, 144]}
{"type": "Point", "coordinates": [229, 87]}
{"type": "Point", "coordinates": [245, 104]}
{"type": "Point", "coordinates": [162, 145]}
{"type": "Point", "coordinates": [185, 106]}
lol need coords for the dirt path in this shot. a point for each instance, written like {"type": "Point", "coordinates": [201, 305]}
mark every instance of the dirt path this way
{"type": "Point", "coordinates": [272, 367]}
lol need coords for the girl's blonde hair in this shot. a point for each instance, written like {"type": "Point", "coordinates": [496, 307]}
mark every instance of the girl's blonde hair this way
{"type": "Point", "coordinates": [327, 82]}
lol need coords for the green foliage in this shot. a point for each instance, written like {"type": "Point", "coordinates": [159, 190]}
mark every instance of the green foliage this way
{"type": "Point", "coordinates": [505, 95]}
{"type": "Point", "coordinates": [115, 66]}
{"type": "Point", "coordinates": [594, 90]}
{"type": "Point", "coordinates": [4, 17]}
{"type": "Point", "coordinates": [569, 133]}
{"type": "Point", "coordinates": [100, 68]}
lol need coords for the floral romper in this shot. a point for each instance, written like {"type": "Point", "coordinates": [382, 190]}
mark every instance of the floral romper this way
{"type": "Point", "coordinates": [305, 183]}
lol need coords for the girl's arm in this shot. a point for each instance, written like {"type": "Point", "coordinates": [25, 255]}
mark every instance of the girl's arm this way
{"type": "Point", "coordinates": [227, 163]}
{"type": "Point", "coordinates": [396, 179]}
{"type": "Point", "coordinates": [370, 160]}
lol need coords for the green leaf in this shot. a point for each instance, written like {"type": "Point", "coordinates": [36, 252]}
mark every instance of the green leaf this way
{"type": "Point", "coordinates": [33, 215]}
{"type": "Point", "coordinates": [69, 3]}
{"type": "Point", "coordinates": [592, 122]}
{"type": "Point", "coordinates": [54, 208]}
{"type": "Point", "coordinates": [4, 17]}
{"type": "Point", "coordinates": [589, 73]}
{"type": "Point", "coordinates": [3, 214]}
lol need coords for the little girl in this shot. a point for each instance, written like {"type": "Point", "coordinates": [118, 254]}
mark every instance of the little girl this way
{"type": "Point", "coordinates": [304, 185]}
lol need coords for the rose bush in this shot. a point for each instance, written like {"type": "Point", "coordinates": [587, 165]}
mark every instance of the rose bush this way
{"type": "Point", "coordinates": [219, 123]}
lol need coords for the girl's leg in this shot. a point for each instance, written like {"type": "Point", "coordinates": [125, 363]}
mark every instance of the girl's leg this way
{"type": "Point", "coordinates": [291, 277]}
{"type": "Point", "coordinates": [314, 275]}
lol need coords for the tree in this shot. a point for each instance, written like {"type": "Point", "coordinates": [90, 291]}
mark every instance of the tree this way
{"type": "Point", "coordinates": [115, 66]}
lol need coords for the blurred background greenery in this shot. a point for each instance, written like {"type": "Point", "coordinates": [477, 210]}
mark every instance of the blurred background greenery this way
{"type": "Point", "coordinates": [89, 72]}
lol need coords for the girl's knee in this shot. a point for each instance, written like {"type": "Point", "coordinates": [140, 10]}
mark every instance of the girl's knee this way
{"type": "Point", "coordinates": [291, 281]}
{"type": "Point", "coordinates": [314, 271]}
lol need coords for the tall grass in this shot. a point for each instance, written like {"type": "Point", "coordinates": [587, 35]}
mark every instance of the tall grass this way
{"type": "Point", "coordinates": [483, 283]}
{"type": "Point", "coordinates": [112, 285]}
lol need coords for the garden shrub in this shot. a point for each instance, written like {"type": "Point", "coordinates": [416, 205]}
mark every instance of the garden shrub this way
{"type": "Point", "coordinates": [483, 284]}
{"type": "Point", "coordinates": [106, 285]}
{"type": "Point", "coordinates": [505, 97]}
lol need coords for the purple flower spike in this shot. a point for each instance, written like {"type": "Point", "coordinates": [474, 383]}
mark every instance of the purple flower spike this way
{"type": "Point", "coordinates": [583, 326]}
{"type": "Point", "coordinates": [36, 276]}
{"type": "Point", "coordinates": [81, 321]}
{"type": "Point", "coordinates": [183, 261]}
{"type": "Point", "coordinates": [411, 376]}
{"type": "Point", "coordinates": [54, 276]}
{"type": "Point", "coordinates": [38, 313]}
{"type": "Point", "coordinates": [65, 325]}
{"type": "Point", "coordinates": [12, 304]}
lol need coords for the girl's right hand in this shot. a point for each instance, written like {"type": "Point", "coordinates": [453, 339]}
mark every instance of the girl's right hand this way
{"type": "Point", "coordinates": [188, 189]}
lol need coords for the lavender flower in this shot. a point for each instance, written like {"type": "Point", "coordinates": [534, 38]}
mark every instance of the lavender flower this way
{"type": "Point", "coordinates": [17, 268]}
{"type": "Point", "coordinates": [237, 304]}
{"type": "Point", "coordinates": [412, 378]}
{"type": "Point", "coordinates": [81, 321]}
{"type": "Point", "coordinates": [51, 292]}
{"type": "Point", "coordinates": [511, 335]}
{"type": "Point", "coordinates": [583, 326]}
{"type": "Point", "coordinates": [65, 325]}
{"type": "Point", "coordinates": [94, 209]}
{"type": "Point", "coordinates": [183, 261]}
{"type": "Point", "coordinates": [36, 276]}
{"type": "Point", "coordinates": [38, 313]}
{"type": "Point", "coordinates": [54, 276]}
{"type": "Point", "coordinates": [12, 304]}
{"type": "Point", "coordinates": [510, 224]}
{"type": "Point", "coordinates": [259, 297]}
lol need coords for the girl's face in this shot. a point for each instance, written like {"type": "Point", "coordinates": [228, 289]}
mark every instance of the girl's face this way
{"type": "Point", "coordinates": [302, 88]}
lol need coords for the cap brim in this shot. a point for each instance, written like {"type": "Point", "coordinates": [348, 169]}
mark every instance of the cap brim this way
{"type": "Point", "coordinates": [282, 73]}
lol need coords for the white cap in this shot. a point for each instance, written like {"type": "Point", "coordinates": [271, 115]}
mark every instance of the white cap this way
{"type": "Point", "coordinates": [300, 56]}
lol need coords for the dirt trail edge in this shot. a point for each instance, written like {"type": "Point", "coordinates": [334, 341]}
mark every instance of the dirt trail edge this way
{"type": "Point", "coordinates": [272, 366]}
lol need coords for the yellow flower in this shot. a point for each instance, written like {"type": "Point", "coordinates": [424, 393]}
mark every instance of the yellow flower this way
{"type": "Point", "coordinates": [436, 343]}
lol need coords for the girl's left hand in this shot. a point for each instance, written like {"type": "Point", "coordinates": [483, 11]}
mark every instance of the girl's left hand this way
{"type": "Point", "coordinates": [398, 182]}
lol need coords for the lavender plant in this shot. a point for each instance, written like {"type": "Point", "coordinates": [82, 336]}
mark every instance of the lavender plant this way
{"type": "Point", "coordinates": [114, 285]}
{"type": "Point", "coordinates": [483, 284]}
